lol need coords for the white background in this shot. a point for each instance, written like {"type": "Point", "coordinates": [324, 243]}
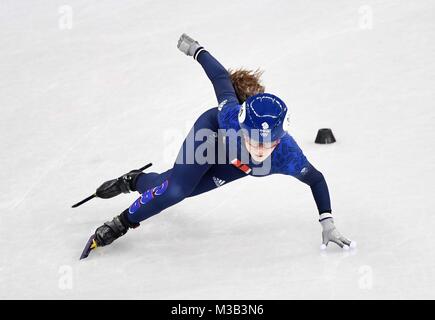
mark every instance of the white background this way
{"type": "Point", "coordinates": [94, 89]}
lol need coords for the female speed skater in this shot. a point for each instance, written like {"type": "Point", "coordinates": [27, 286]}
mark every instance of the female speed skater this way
{"type": "Point", "coordinates": [246, 135]}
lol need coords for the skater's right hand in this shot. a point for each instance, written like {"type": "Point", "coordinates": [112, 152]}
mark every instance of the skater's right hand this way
{"type": "Point", "coordinates": [188, 45]}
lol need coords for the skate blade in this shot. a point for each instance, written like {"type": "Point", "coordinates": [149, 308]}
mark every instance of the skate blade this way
{"type": "Point", "coordinates": [90, 245]}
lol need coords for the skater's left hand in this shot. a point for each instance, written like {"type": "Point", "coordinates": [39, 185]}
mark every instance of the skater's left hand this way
{"type": "Point", "coordinates": [331, 234]}
{"type": "Point", "coordinates": [188, 45]}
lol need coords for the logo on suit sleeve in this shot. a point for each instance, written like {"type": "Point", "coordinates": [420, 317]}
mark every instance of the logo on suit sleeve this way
{"type": "Point", "coordinates": [222, 104]}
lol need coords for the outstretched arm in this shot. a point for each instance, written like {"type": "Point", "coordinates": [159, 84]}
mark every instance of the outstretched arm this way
{"type": "Point", "coordinates": [315, 179]}
{"type": "Point", "coordinates": [217, 74]}
{"type": "Point", "coordinates": [299, 167]}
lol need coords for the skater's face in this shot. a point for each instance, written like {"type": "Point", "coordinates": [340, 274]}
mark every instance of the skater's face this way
{"type": "Point", "coordinates": [260, 151]}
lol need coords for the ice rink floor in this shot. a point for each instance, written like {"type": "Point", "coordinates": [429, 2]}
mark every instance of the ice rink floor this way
{"type": "Point", "coordinates": [92, 89]}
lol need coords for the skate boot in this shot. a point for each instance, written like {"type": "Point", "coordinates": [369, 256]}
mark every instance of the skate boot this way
{"type": "Point", "coordinates": [123, 184]}
{"type": "Point", "coordinates": [108, 232]}
{"type": "Point", "coordinates": [112, 188]}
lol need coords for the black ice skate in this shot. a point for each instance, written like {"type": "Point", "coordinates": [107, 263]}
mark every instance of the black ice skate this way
{"type": "Point", "coordinates": [124, 184]}
{"type": "Point", "coordinates": [109, 189]}
{"type": "Point", "coordinates": [108, 232]}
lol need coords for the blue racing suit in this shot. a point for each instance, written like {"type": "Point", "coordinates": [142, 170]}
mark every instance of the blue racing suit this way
{"type": "Point", "coordinates": [190, 178]}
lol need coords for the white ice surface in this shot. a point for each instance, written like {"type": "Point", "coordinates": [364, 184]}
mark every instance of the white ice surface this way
{"type": "Point", "coordinates": [84, 105]}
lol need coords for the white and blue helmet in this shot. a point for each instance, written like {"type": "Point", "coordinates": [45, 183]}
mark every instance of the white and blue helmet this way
{"type": "Point", "coordinates": [264, 117]}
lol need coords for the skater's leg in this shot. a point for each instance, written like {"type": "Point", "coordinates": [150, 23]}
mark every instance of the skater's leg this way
{"type": "Point", "coordinates": [168, 188]}
{"type": "Point", "coordinates": [149, 180]}
{"type": "Point", "coordinates": [179, 182]}
{"type": "Point", "coordinates": [179, 185]}
{"type": "Point", "coordinates": [217, 176]}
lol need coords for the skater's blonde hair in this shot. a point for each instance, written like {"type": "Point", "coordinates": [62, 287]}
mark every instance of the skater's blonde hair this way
{"type": "Point", "coordinates": [246, 82]}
